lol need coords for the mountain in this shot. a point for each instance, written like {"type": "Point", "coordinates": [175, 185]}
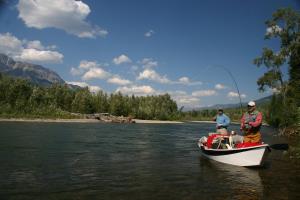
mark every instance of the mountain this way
{"type": "Point", "coordinates": [37, 74]}
{"type": "Point", "coordinates": [236, 105]}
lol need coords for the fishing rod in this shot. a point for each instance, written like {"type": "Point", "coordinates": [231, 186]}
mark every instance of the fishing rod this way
{"type": "Point", "coordinates": [235, 83]}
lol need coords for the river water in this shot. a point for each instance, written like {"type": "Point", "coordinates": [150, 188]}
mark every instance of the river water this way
{"type": "Point", "coordinates": [133, 161]}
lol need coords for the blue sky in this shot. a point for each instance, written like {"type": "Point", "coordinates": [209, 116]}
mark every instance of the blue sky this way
{"type": "Point", "coordinates": [145, 47]}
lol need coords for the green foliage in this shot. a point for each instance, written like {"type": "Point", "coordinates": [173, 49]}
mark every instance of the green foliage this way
{"type": "Point", "coordinates": [285, 26]}
{"type": "Point", "coordinates": [19, 98]}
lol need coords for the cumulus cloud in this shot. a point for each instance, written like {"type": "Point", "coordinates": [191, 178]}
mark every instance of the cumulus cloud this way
{"type": "Point", "coordinates": [29, 51]}
{"type": "Point", "coordinates": [118, 80]}
{"type": "Point", "coordinates": [150, 74]}
{"type": "Point", "coordinates": [93, 70]}
{"type": "Point", "coordinates": [67, 15]}
{"type": "Point", "coordinates": [84, 64]}
{"type": "Point", "coordinates": [235, 94]}
{"type": "Point", "coordinates": [220, 86]}
{"type": "Point", "coordinates": [184, 99]}
{"type": "Point", "coordinates": [148, 63]}
{"type": "Point", "coordinates": [186, 81]}
{"type": "Point", "coordinates": [95, 73]}
{"type": "Point", "coordinates": [204, 93]}
{"type": "Point", "coordinates": [149, 33]}
{"type": "Point", "coordinates": [142, 90]}
{"type": "Point", "coordinates": [92, 88]}
{"type": "Point", "coordinates": [121, 59]}
{"type": "Point", "coordinates": [10, 45]}
{"type": "Point", "coordinates": [33, 55]}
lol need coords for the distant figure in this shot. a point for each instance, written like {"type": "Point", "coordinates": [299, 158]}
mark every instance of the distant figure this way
{"type": "Point", "coordinates": [223, 122]}
{"type": "Point", "coordinates": [251, 123]}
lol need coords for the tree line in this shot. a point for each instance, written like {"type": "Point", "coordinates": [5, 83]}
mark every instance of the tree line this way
{"type": "Point", "coordinates": [18, 97]}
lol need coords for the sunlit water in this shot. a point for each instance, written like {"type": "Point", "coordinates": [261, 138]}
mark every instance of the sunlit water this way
{"type": "Point", "coordinates": [132, 161]}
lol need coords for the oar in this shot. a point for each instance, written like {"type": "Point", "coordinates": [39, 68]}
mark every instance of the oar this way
{"type": "Point", "coordinates": [283, 146]}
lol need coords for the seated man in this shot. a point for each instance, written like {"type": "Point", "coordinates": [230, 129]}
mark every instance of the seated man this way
{"type": "Point", "coordinates": [223, 122]}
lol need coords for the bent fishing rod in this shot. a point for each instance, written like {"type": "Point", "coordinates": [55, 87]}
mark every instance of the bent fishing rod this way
{"type": "Point", "coordinates": [235, 83]}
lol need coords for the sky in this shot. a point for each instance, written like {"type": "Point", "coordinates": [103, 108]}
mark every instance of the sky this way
{"type": "Point", "coordinates": [180, 47]}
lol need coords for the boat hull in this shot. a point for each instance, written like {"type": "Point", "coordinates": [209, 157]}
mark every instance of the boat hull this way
{"type": "Point", "coordinates": [246, 157]}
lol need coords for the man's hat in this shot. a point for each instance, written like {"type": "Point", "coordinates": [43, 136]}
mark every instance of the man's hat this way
{"type": "Point", "coordinates": [251, 103]}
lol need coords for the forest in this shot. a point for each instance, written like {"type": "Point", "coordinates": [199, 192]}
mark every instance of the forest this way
{"type": "Point", "coordinates": [20, 98]}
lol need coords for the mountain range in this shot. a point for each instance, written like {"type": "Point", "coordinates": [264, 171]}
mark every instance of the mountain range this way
{"type": "Point", "coordinates": [37, 74]}
{"type": "Point", "coordinates": [258, 102]}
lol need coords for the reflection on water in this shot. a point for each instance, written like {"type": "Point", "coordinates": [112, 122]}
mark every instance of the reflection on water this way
{"type": "Point", "coordinates": [231, 181]}
{"type": "Point", "coordinates": [131, 161]}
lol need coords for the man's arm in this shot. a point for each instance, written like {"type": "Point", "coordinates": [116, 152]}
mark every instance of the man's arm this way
{"type": "Point", "coordinates": [258, 120]}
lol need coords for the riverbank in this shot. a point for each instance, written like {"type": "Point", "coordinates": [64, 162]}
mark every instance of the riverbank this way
{"type": "Point", "coordinates": [139, 121]}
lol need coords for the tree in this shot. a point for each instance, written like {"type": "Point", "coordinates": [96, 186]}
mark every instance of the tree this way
{"type": "Point", "coordinates": [285, 26]}
{"type": "Point", "coordinates": [82, 102]}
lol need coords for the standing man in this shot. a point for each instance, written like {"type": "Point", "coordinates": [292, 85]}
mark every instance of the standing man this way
{"type": "Point", "coordinates": [251, 123]}
{"type": "Point", "coordinates": [223, 122]}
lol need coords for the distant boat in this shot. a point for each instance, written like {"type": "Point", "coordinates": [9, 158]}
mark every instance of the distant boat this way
{"type": "Point", "coordinates": [245, 156]}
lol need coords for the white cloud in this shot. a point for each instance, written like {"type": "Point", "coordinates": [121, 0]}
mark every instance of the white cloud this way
{"type": "Point", "coordinates": [273, 30]}
{"type": "Point", "coordinates": [184, 99]}
{"type": "Point", "coordinates": [33, 55]}
{"type": "Point", "coordinates": [118, 81]}
{"type": "Point", "coordinates": [150, 74]}
{"type": "Point", "coordinates": [84, 64]}
{"type": "Point", "coordinates": [148, 63]}
{"type": "Point", "coordinates": [137, 90]}
{"type": "Point", "coordinates": [220, 86]}
{"type": "Point", "coordinates": [10, 45]}
{"type": "Point", "coordinates": [36, 44]}
{"type": "Point", "coordinates": [95, 73]}
{"type": "Point", "coordinates": [121, 59]}
{"type": "Point", "coordinates": [204, 93]}
{"type": "Point", "coordinates": [149, 33]}
{"type": "Point", "coordinates": [67, 15]}
{"type": "Point", "coordinates": [30, 51]}
{"type": "Point", "coordinates": [93, 70]}
{"type": "Point", "coordinates": [235, 94]}
{"type": "Point", "coordinates": [92, 88]}
{"type": "Point", "coordinates": [186, 81]}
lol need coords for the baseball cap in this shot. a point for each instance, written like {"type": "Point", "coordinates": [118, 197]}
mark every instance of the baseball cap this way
{"type": "Point", "coordinates": [251, 103]}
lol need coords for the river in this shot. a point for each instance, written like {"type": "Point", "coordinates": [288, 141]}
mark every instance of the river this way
{"type": "Point", "coordinates": [133, 161]}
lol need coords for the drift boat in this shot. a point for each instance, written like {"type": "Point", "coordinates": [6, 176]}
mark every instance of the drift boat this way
{"type": "Point", "coordinates": [243, 156]}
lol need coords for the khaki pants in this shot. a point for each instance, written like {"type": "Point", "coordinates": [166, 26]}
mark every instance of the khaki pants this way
{"type": "Point", "coordinates": [252, 137]}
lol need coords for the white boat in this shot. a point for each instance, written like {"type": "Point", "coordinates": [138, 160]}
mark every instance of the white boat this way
{"type": "Point", "coordinates": [246, 156]}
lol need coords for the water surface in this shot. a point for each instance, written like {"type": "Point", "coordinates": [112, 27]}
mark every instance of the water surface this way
{"type": "Point", "coordinates": [132, 161]}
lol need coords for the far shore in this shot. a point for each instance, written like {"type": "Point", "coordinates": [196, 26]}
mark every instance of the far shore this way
{"type": "Point", "coordinates": [139, 121]}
